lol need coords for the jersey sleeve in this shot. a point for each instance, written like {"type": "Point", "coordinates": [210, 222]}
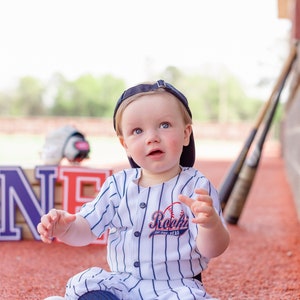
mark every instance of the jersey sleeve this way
{"type": "Point", "coordinates": [101, 210]}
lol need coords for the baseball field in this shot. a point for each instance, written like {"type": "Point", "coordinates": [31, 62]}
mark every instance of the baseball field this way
{"type": "Point", "coordinates": [262, 261]}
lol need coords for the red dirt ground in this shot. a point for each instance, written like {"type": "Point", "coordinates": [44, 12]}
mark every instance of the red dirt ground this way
{"type": "Point", "coordinates": [262, 261]}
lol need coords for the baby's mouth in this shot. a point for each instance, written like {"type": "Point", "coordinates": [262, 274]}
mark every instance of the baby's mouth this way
{"type": "Point", "coordinates": [155, 152]}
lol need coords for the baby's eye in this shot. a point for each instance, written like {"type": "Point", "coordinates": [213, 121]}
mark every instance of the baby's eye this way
{"type": "Point", "coordinates": [137, 131]}
{"type": "Point", "coordinates": [165, 125]}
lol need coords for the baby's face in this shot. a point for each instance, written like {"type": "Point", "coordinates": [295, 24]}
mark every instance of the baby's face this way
{"type": "Point", "coordinates": [154, 132]}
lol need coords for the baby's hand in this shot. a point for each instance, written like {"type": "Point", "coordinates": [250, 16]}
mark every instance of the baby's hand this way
{"type": "Point", "coordinates": [202, 208]}
{"type": "Point", "coordinates": [54, 223]}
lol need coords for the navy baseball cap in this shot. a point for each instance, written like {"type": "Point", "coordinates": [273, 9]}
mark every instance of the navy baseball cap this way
{"type": "Point", "coordinates": [187, 158]}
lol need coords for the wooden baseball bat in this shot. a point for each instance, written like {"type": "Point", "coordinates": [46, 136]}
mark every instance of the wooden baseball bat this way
{"type": "Point", "coordinates": [231, 177]}
{"type": "Point", "coordinates": [246, 176]}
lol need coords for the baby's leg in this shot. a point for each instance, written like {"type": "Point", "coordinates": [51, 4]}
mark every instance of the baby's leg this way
{"type": "Point", "coordinates": [96, 279]}
{"type": "Point", "coordinates": [187, 289]}
{"type": "Point", "coordinates": [96, 295]}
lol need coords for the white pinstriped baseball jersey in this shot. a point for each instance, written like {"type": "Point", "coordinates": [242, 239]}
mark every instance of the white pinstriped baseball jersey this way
{"type": "Point", "coordinates": [151, 239]}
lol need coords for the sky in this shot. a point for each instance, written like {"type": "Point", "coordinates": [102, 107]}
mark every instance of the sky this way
{"type": "Point", "coordinates": [136, 39]}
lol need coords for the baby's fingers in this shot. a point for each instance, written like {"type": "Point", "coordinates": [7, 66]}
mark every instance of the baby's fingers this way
{"type": "Point", "coordinates": [45, 233]}
{"type": "Point", "coordinates": [201, 192]}
{"type": "Point", "coordinates": [45, 227]}
{"type": "Point", "coordinates": [186, 200]}
{"type": "Point", "coordinates": [50, 218]}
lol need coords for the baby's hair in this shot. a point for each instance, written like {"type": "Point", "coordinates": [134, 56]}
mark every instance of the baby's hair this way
{"type": "Point", "coordinates": [118, 118]}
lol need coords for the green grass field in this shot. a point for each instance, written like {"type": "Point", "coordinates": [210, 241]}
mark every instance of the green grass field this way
{"type": "Point", "coordinates": [24, 150]}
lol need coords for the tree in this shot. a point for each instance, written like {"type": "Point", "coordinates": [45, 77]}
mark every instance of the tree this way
{"type": "Point", "coordinates": [28, 98]}
{"type": "Point", "coordinates": [87, 96]}
{"type": "Point", "coordinates": [5, 103]}
{"type": "Point", "coordinates": [214, 96]}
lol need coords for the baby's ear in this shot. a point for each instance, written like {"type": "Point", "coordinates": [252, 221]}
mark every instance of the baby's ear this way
{"type": "Point", "coordinates": [187, 134]}
{"type": "Point", "coordinates": [122, 142]}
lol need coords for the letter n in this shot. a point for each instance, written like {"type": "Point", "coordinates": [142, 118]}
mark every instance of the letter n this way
{"type": "Point", "coordinates": [16, 191]}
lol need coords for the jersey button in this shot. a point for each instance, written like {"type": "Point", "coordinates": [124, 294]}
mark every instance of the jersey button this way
{"type": "Point", "coordinates": [136, 264]}
{"type": "Point", "coordinates": [137, 233]}
{"type": "Point", "coordinates": [143, 205]}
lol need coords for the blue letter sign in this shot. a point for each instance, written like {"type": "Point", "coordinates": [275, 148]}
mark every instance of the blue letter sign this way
{"type": "Point", "coordinates": [16, 191]}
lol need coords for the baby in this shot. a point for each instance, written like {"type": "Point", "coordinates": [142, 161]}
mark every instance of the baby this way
{"type": "Point", "coordinates": [163, 215]}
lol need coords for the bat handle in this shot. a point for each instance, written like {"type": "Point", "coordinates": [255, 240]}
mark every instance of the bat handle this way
{"type": "Point", "coordinates": [239, 195]}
